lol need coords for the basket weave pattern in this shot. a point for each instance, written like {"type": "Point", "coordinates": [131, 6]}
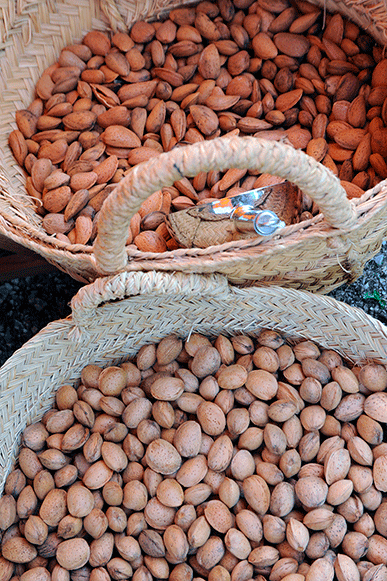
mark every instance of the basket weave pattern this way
{"type": "Point", "coordinates": [310, 255]}
{"type": "Point", "coordinates": [114, 316]}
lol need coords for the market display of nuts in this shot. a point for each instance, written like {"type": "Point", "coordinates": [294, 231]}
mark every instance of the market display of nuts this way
{"type": "Point", "coordinates": [227, 459]}
{"type": "Point", "coordinates": [278, 70]}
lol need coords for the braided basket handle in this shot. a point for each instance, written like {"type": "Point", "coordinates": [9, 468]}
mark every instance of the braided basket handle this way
{"type": "Point", "coordinates": [265, 156]}
{"type": "Point", "coordinates": [165, 297]}
{"type": "Point", "coordinates": [131, 284]}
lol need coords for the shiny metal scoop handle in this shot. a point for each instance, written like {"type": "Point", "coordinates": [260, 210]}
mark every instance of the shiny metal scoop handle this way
{"type": "Point", "coordinates": [249, 219]}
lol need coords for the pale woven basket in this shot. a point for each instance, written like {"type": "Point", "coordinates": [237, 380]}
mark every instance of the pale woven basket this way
{"type": "Point", "coordinates": [112, 317]}
{"type": "Point", "coordinates": [318, 254]}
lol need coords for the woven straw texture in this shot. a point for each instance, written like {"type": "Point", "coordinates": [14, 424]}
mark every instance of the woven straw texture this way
{"type": "Point", "coordinates": [318, 255]}
{"type": "Point", "coordinates": [114, 316]}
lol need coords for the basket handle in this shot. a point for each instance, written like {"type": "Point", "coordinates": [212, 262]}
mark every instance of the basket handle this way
{"type": "Point", "coordinates": [129, 284]}
{"type": "Point", "coordinates": [317, 317]}
{"type": "Point", "coordinates": [266, 156]}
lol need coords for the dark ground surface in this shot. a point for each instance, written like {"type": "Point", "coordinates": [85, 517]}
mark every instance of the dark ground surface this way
{"type": "Point", "coordinates": [29, 304]}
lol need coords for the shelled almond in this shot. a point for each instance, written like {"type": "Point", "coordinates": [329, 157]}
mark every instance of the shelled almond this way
{"type": "Point", "coordinates": [202, 458]}
{"type": "Point", "coordinates": [285, 71]}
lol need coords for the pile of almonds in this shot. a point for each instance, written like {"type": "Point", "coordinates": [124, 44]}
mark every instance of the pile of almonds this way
{"type": "Point", "coordinates": [277, 69]}
{"type": "Point", "coordinates": [225, 460]}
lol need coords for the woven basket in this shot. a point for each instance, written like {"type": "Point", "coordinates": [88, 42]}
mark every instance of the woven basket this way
{"type": "Point", "coordinates": [114, 316]}
{"type": "Point", "coordinates": [318, 254]}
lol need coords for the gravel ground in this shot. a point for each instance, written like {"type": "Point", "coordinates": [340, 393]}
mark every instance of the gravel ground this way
{"type": "Point", "coordinates": [29, 304]}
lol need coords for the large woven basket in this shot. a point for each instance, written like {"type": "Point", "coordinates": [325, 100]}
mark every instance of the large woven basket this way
{"type": "Point", "coordinates": [112, 317]}
{"type": "Point", "coordinates": [318, 254]}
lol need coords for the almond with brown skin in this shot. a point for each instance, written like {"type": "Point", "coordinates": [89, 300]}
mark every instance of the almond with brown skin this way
{"type": "Point", "coordinates": [357, 113]}
{"type": "Point", "coordinates": [55, 223]}
{"type": "Point", "coordinates": [349, 139]}
{"type": "Point", "coordinates": [40, 171]}
{"type": "Point", "coordinates": [83, 229]}
{"type": "Point", "coordinates": [142, 32]}
{"type": "Point", "coordinates": [221, 102]}
{"type": "Point", "coordinates": [44, 87]}
{"type": "Point", "coordinates": [379, 142]}
{"type": "Point", "coordinates": [286, 101]}
{"type": "Point", "coordinates": [146, 88]}
{"type": "Point", "coordinates": [294, 45]}
{"type": "Point", "coordinates": [26, 122]}
{"type": "Point", "coordinates": [119, 136]}
{"type": "Point", "coordinates": [205, 119]}
{"type": "Point", "coordinates": [104, 95]}
{"type": "Point", "coordinates": [56, 200]}
{"type": "Point", "coordinates": [98, 42]}
{"type": "Point", "coordinates": [118, 63]}
{"type": "Point", "coordinates": [209, 62]}
{"type": "Point", "coordinates": [178, 122]}
{"type": "Point", "coordinates": [56, 151]}
{"type": "Point", "coordinates": [106, 169]}
{"type": "Point", "coordinates": [263, 46]}
{"type": "Point", "coordinates": [118, 115]}
{"type": "Point", "coordinates": [156, 118]}
{"type": "Point", "coordinates": [378, 163]}
{"type": "Point", "coordinates": [80, 120]}
{"type": "Point", "coordinates": [150, 241]}
{"type": "Point", "coordinates": [18, 145]}
{"type": "Point", "coordinates": [352, 190]}
{"type": "Point", "coordinates": [141, 154]}
{"type": "Point", "coordinates": [206, 27]}
{"type": "Point", "coordinates": [362, 153]}
{"type": "Point", "coordinates": [83, 180]}
{"type": "Point", "coordinates": [251, 125]}
{"type": "Point", "coordinates": [317, 148]}
{"type": "Point", "coordinates": [174, 78]}
{"type": "Point", "coordinates": [78, 201]}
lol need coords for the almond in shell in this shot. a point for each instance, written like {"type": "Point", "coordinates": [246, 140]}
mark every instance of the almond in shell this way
{"type": "Point", "coordinates": [156, 117]}
{"type": "Point", "coordinates": [141, 154]}
{"type": "Point", "coordinates": [57, 199]}
{"type": "Point", "coordinates": [352, 190]}
{"type": "Point", "coordinates": [150, 241]}
{"type": "Point", "coordinates": [286, 101]}
{"type": "Point", "coordinates": [106, 169]}
{"type": "Point", "coordinates": [26, 122]}
{"type": "Point", "coordinates": [119, 136]}
{"type": "Point", "coordinates": [317, 148]}
{"type": "Point", "coordinates": [205, 119]}
{"type": "Point", "coordinates": [98, 42]}
{"type": "Point", "coordinates": [209, 62]}
{"type": "Point", "coordinates": [18, 145]}
{"type": "Point", "coordinates": [117, 115]}
{"type": "Point", "coordinates": [56, 151]}
{"type": "Point", "coordinates": [80, 120]}
{"type": "Point", "coordinates": [263, 46]}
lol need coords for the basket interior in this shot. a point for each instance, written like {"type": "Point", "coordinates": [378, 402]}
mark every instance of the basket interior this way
{"type": "Point", "coordinates": [116, 330]}
{"type": "Point", "coordinates": [31, 38]}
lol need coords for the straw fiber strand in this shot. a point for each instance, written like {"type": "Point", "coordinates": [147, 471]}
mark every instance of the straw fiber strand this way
{"type": "Point", "coordinates": [145, 308]}
{"type": "Point", "coordinates": [32, 34]}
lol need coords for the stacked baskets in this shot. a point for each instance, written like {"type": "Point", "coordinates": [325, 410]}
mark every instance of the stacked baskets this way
{"type": "Point", "coordinates": [185, 291]}
{"type": "Point", "coordinates": [317, 254]}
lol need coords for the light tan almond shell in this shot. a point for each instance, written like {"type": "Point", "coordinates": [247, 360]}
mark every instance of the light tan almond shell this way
{"type": "Point", "coordinates": [257, 494]}
{"type": "Point", "coordinates": [375, 406]}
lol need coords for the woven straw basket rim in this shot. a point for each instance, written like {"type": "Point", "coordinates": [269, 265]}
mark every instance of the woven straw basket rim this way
{"type": "Point", "coordinates": [114, 316]}
{"type": "Point", "coordinates": [325, 258]}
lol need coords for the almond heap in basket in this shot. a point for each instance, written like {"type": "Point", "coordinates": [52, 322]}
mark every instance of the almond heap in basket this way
{"type": "Point", "coordinates": [226, 460]}
{"type": "Point", "coordinates": [271, 68]}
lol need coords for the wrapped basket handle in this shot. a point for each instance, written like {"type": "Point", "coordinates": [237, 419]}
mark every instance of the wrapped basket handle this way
{"type": "Point", "coordinates": [302, 314]}
{"type": "Point", "coordinates": [130, 284]}
{"type": "Point", "coordinates": [265, 156]}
